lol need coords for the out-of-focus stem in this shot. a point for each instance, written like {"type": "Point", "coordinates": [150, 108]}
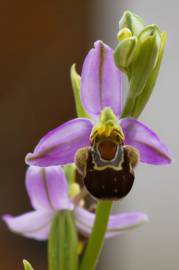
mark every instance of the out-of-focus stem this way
{"type": "Point", "coordinates": [96, 240]}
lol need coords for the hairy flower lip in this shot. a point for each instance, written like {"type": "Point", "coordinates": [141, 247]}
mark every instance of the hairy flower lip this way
{"type": "Point", "coordinates": [48, 195]}
{"type": "Point", "coordinates": [100, 87]}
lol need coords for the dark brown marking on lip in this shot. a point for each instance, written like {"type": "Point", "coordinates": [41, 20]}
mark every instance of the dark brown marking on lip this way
{"type": "Point", "coordinates": [109, 184]}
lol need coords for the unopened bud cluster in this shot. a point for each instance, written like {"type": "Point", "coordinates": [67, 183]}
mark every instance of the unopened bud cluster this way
{"type": "Point", "coordinates": [138, 54]}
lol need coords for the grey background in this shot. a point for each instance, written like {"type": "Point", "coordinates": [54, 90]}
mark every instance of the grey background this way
{"type": "Point", "coordinates": [155, 245]}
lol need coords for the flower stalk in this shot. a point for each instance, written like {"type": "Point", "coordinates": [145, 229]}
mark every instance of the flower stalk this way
{"type": "Point", "coordinates": [96, 240]}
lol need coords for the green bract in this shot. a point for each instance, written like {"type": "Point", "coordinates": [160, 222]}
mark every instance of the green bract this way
{"type": "Point", "coordinates": [27, 265]}
{"type": "Point", "coordinates": [62, 245]}
{"type": "Point", "coordinates": [138, 54]}
{"type": "Point", "coordinates": [75, 80]}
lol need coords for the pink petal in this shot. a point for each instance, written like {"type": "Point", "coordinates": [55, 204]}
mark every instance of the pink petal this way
{"type": "Point", "coordinates": [101, 84]}
{"type": "Point", "coordinates": [59, 146]}
{"type": "Point", "coordinates": [118, 223]}
{"type": "Point", "coordinates": [35, 224]}
{"type": "Point", "coordinates": [152, 150]}
{"type": "Point", "coordinates": [47, 188]}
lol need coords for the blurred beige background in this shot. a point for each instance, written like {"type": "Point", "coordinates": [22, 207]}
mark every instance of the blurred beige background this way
{"type": "Point", "coordinates": [39, 42]}
{"type": "Point", "coordinates": [156, 245]}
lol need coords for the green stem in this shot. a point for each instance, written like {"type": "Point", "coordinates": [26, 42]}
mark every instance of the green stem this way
{"type": "Point", "coordinates": [96, 240]}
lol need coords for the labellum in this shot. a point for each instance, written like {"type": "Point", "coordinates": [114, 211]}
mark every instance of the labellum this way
{"type": "Point", "coordinates": [107, 166]}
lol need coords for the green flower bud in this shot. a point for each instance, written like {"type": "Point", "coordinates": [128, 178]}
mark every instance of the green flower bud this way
{"type": "Point", "coordinates": [123, 34]}
{"type": "Point", "coordinates": [138, 54]}
{"type": "Point", "coordinates": [149, 48]}
{"type": "Point", "coordinates": [142, 99]}
{"type": "Point", "coordinates": [126, 52]}
{"type": "Point", "coordinates": [131, 21]}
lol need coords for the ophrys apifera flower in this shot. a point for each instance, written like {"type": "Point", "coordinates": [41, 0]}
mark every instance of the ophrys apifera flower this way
{"type": "Point", "coordinates": [113, 144]}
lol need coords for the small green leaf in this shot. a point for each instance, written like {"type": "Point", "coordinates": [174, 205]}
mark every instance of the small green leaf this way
{"type": "Point", "coordinates": [131, 21]}
{"type": "Point", "coordinates": [27, 265]}
{"type": "Point", "coordinates": [142, 99]}
{"type": "Point", "coordinates": [62, 244]}
{"type": "Point", "coordinates": [75, 80]}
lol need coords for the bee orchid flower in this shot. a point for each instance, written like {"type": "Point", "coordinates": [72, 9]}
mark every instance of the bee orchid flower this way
{"type": "Point", "coordinates": [49, 193]}
{"type": "Point", "coordinates": [101, 94]}
{"type": "Point", "coordinates": [106, 148]}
